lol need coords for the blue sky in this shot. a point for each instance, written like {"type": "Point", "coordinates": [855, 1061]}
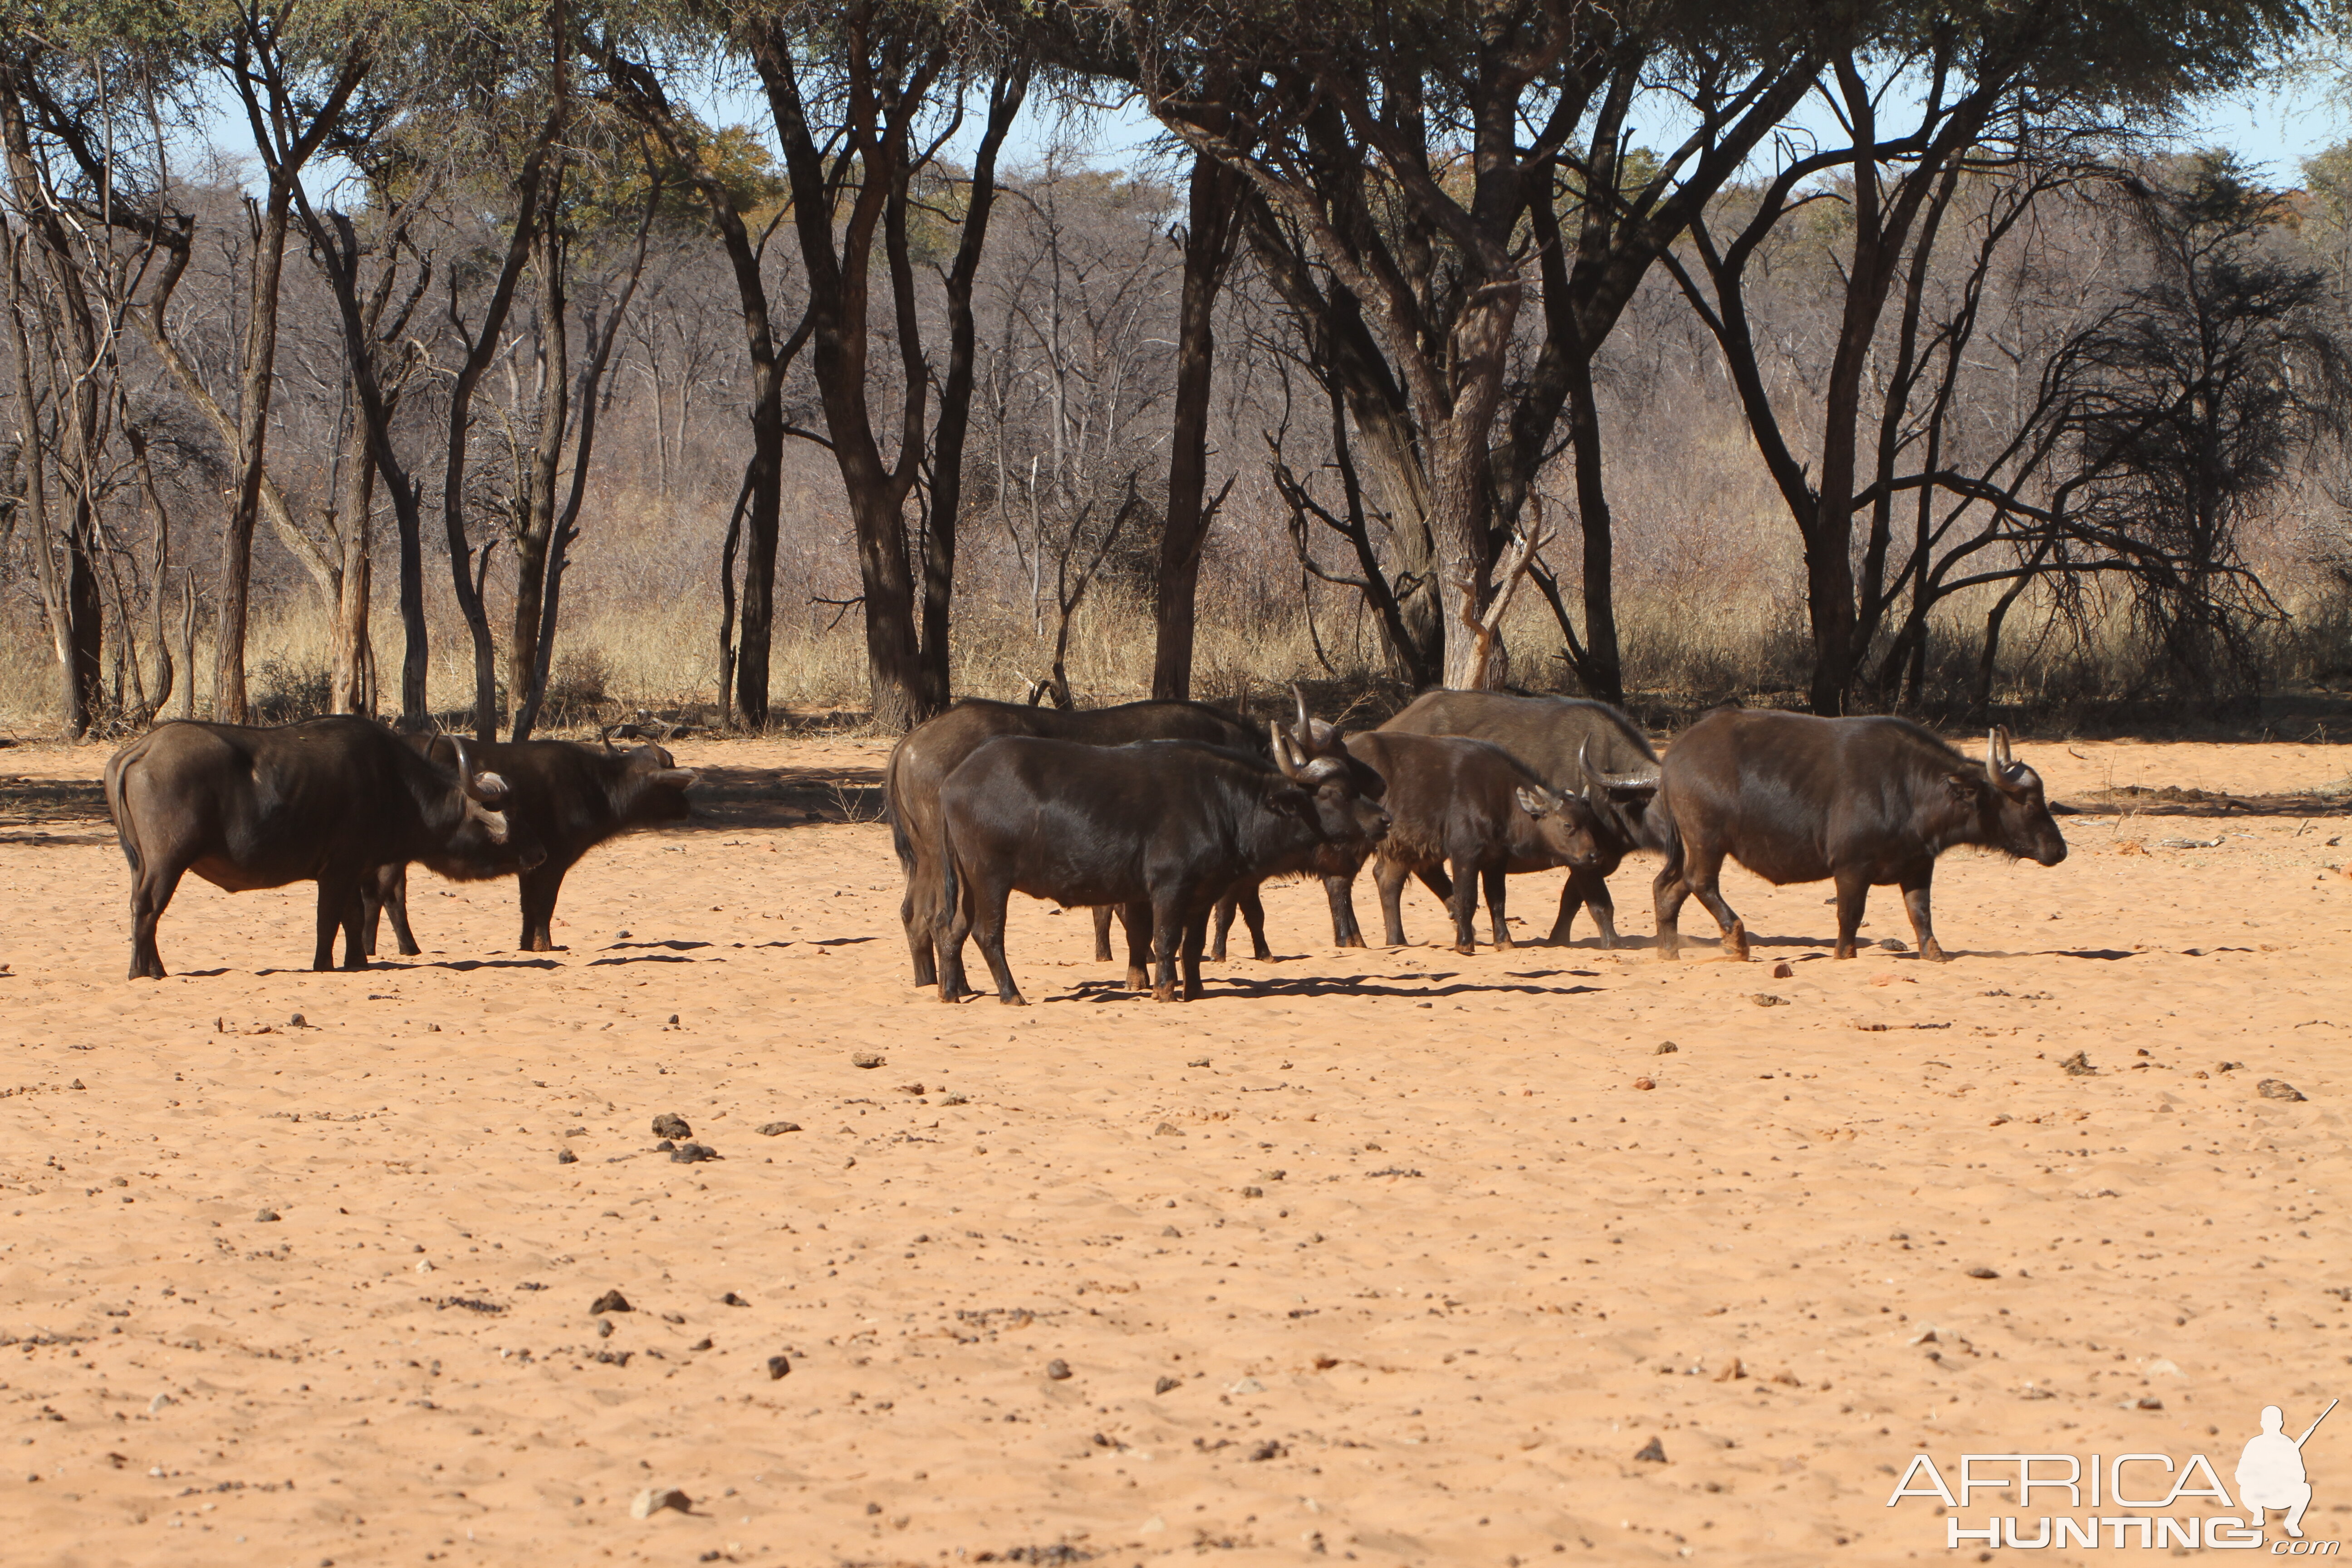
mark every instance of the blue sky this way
{"type": "Point", "coordinates": [2274, 130]}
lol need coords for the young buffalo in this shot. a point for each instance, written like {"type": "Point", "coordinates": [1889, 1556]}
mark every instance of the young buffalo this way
{"type": "Point", "coordinates": [1469, 806]}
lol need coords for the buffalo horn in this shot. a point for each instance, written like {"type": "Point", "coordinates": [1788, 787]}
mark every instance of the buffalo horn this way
{"type": "Point", "coordinates": [1283, 758]}
{"type": "Point", "coordinates": [1648, 780]}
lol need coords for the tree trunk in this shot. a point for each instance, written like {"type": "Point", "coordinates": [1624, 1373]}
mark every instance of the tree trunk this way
{"type": "Point", "coordinates": [351, 685]}
{"type": "Point", "coordinates": [531, 540]}
{"type": "Point", "coordinates": [258, 377]}
{"type": "Point", "coordinates": [1208, 247]}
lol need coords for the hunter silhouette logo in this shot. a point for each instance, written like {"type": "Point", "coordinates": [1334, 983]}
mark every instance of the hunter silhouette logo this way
{"type": "Point", "coordinates": [2270, 1472]}
{"type": "Point", "coordinates": [2155, 1501]}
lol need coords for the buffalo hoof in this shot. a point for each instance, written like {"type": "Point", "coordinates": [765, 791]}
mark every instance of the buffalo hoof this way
{"type": "Point", "coordinates": [1668, 951]}
{"type": "Point", "coordinates": [1137, 981]}
{"type": "Point", "coordinates": [1842, 950]}
{"type": "Point", "coordinates": [1352, 941]}
{"type": "Point", "coordinates": [1163, 993]}
{"type": "Point", "coordinates": [1933, 954]}
{"type": "Point", "coordinates": [1735, 941]}
{"type": "Point", "coordinates": [1265, 955]}
{"type": "Point", "coordinates": [1504, 945]}
{"type": "Point", "coordinates": [1013, 999]}
{"type": "Point", "coordinates": [1466, 949]}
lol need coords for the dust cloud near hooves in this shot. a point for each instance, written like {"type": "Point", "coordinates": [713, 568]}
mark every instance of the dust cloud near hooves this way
{"type": "Point", "coordinates": [1391, 1256]}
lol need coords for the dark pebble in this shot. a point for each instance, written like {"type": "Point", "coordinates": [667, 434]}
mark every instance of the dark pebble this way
{"type": "Point", "coordinates": [612, 1302]}
{"type": "Point", "coordinates": [732, 1300]}
{"type": "Point", "coordinates": [669, 1124]}
{"type": "Point", "coordinates": [1652, 1451]}
{"type": "Point", "coordinates": [689, 1153]}
{"type": "Point", "coordinates": [777, 1367]}
{"type": "Point", "coordinates": [771, 1128]}
{"type": "Point", "coordinates": [566, 1157]}
{"type": "Point", "coordinates": [1165, 1383]}
{"type": "Point", "coordinates": [700, 1344]}
{"type": "Point", "coordinates": [1057, 1369]}
{"type": "Point", "coordinates": [269, 1216]}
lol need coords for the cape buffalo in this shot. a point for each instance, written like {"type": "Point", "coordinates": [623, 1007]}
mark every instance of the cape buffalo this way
{"type": "Point", "coordinates": [328, 801]}
{"type": "Point", "coordinates": [1587, 750]}
{"type": "Point", "coordinates": [925, 756]}
{"type": "Point", "coordinates": [575, 796]}
{"type": "Point", "coordinates": [1470, 806]}
{"type": "Point", "coordinates": [1161, 828]}
{"type": "Point", "coordinates": [1865, 801]}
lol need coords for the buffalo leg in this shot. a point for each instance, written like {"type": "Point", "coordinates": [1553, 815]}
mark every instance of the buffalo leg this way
{"type": "Point", "coordinates": [1703, 869]}
{"type": "Point", "coordinates": [540, 886]}
{"type": "Point", "coordinates": [1388, 876]}
{"type": "Point", "coordinates": [1195, 933]}
{"type": "Point", "coordinates": [920, 913]}
{"type": "Point", "coordinates": [1223, 923]}
{"type": "Point", "coordinates": [988, 932]}
{"type": "Point", "coordinates": [1252, 915]}
{"type": "Point", "coordinates": [1168, 925]}
{"type": "Point", "coordinates": [1853, 893]}
{"type": "Point", "coordinates": [150, 895]}
{"type": "Point", "coordinates": [339, 909]}
{"type": "Point", "coordinates": [1340, 891]}
{"type": "Point", "coordinates": [383, 894]}
{"type": "Point", "coordinates": [1102, 913]}
{"type": "Point", "coordinates": [1465, 905]}
{"type": "Point", "coordinates": [1137, 917]}
{"type": "Point", "coordinates": [1496, 881]}
{"type": "Point", "coordinates": [953, 925]}
{"type": "Point", "coordinates": [1667, 891]}
{"type": "Point", "coordinates": [1585, 889]}
{"type": "Point", "coordinates": [1915, 901]}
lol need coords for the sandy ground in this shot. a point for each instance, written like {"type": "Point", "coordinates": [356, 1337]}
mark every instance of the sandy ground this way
{"type": "Point", "coordinates": [1382, 1257]}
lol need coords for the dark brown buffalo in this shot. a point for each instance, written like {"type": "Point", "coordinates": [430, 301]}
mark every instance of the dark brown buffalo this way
{"type": "Point", "coordinates": [1159, 827]}
{"type": "Point", "coordinates": [575, 796]}
{"type": "Point", "coordinates": [1468, 806]}
{"type": "Point", "coordinates": [327, 801]}
{"type": "Point", "coordinates": [1867, 802]}
{"type": "Point", "coordinates": [927, 753]}
{"type": "Point", "coordinates": [1587, 750]}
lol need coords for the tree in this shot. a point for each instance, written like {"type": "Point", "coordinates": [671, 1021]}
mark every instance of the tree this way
{"type": "Point", "coordinates": [2204, 388]}
{"type": "Point", "coordinates": [1984, 84]}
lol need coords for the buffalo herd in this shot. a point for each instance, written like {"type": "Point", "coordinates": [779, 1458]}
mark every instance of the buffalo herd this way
{"type": "Point", "coordinates": [1166, 815]}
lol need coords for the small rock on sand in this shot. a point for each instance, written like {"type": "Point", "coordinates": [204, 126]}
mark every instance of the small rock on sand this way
{"type": "Point", "coordinates": [1168, 1129]}
{"type": "Point", "coordinates": [611, 1301]}
{"type": "Point", "coordinates": [690, 1153]}
{"type": "Point", "coordinates": [566, 1157]}
{"type": "Point", "coordinates": [1893, 945]}
{"type": "Point", "coordinates": [2279, 1088]}
{"type": "Point", "coordinates": [701, 1344]}
{"type": "Point", "coordinates": [865, 1059]}
{"type": "Point", "coordinates": [771, 1128]}
{"type": "Point", "coordinates": [1667, 1048]}
{"type": "Point", "coordinates": [778, 1366]}
{"type": "Point", "coordinates": [1198, 1062]}
{"type": "Point", "coordinates": [1982, 1272]}
{"type": "Point", "coordinates": [269, 1216]}
{"type": "Point", "coordinates": [1163, 1385]}
{"type": "Point", "coordinates": [1057, 1369]}
{"type": "Point", "coordinates": [732, 1300]}
{"type": "Point", "coordinates": [670, 1124]}
{"type": "Point", "coordinates": [1652, 1452]}
{"type": "Point", "coordinates": [2078, 1064]}
{"type": "Point", "coordinates": [1766, 999]}
{"type": "Point", "coordinates": [1644, 1083]}
{"type": "Point", "coordinates": [425, 1265]}
{"type": "Point", "coordinates": [1783, 971]}
{"type": "Point", "coordinates": [653, 1500]}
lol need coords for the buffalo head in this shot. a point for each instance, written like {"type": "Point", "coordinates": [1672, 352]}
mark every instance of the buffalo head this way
{"type": "Point", "coordinates": [2011, 814]}
{"type": "Point", "coordinates": [1346, 819]}
{"type": "Point", "coordinates": [1567, 827]}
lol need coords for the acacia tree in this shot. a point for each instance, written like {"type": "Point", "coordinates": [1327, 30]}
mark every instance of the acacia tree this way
{"type": "Point", "coordinates": [1414, 166]}
{"type": "Point", "coordinates": [1972, 86]}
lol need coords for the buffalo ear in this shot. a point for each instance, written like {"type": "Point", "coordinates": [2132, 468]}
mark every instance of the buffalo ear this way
{"type": "Point", "coordinates": [1964, 788]}
{"type": "Point", "coordinates": [681, 778]}
{"type": "Point", "coordinates": [1531, 802]}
